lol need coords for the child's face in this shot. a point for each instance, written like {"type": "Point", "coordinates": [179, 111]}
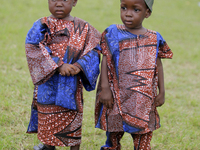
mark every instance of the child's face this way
{"type": "Point", "coordinates": [61, 8]}
{"type": "Point", "coordinates": [133, 13]}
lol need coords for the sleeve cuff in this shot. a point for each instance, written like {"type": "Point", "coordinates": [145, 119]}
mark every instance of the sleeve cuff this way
{"type": "Point", "coordinates": [78, 65]}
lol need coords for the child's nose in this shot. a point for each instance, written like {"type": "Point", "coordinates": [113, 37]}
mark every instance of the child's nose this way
{"type": "Point", "coordinates": [128, 13]}
{"type": "Point", "coordinates": [59, 3]}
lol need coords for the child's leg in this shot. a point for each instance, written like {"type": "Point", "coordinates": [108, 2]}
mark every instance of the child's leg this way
{"type": "Point", "coordinates": [113, 141]}
{"type": "Point", "coordinates": [44, 147]}
{"type": "Point", "coordinates": [50, 147]}
{"type": "Point", "coordinates": [142, 141]}
{"type": "Point", "coordinates": [75, 147]}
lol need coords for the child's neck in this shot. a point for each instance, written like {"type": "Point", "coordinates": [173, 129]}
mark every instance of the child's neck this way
{"type": "Point", "coordinates": [68, 18]}
{"type": "Point", "coordinates": [137, 31]}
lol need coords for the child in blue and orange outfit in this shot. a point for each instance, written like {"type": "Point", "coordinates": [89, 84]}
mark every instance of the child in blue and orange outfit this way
{"type": "Point", "coordinates": [131, 72]}
{"type": "Point", "coordinates": [63, 56]}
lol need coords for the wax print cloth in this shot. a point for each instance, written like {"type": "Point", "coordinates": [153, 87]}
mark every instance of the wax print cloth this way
{"type": "Point", "coordinates": [49, 44]}
{"type": "Point", "coordinates": [132, 75]}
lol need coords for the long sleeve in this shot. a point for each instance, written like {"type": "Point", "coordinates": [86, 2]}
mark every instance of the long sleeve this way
{"type": "Point", "coordinates": [89, 61]}
{"type": "Point", "coordinates": [40, 63]}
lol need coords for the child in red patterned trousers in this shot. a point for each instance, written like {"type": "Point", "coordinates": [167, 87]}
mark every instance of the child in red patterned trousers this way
{"type": "Point", "coordinates": [131, 72]}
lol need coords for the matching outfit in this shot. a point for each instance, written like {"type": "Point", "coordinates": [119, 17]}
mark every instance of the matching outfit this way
{"type": "Point", "coordinates": [57, 107]}
{"type": "Point", "coordinates": [133, 79]}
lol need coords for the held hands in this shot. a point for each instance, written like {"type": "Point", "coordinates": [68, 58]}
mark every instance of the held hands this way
{"type": "Point", "coordinates": [160, 100]}
{"type": "Point", "coordinates": [106, 98]}
{"type": "Point", "coordinates": [68, 69]}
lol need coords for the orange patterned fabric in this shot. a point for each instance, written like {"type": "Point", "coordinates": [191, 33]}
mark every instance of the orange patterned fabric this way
{"type": "Point", "coordinates": [133, 79]}
{"type": "Point", "coordinates": [141, 141]}
{"type": "Point", "coordinates": [57, 107]}
{"type": "Point", "coordinates": [58, 126]}
{"type": "Point", "coordinates": [50, 39]}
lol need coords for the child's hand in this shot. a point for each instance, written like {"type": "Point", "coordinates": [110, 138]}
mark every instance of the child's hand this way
{"type": "Point", "coordinates": [160, 100]}
{"type": "Point", "coordinates": [76, 70]}
{"type": "Point", "coordinates": [68, 69]}
{"type": "Point", "coordinates": [106, 98]}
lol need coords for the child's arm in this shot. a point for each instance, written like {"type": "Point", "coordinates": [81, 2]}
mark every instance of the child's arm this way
{"type": "Point", "coordinates": [160, 98]}
{"type": "Point", "coordinates": [106, 96]}
{"type": "Point", "coordinates": [68, 69]}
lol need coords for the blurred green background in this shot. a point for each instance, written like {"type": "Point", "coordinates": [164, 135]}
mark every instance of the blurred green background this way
{"type": "Point", "coordinates": [177, 21]}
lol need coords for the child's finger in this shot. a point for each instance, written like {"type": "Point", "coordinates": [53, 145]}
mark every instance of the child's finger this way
{"type": "Point", "coordinates": [74, 67]}
{"type": "Point", "coordinates": [112, 101]}
{"type": "Point", "coordinates": [110, 106]}
{"type": "Point", "coordinates": [72, 72]}
{"type": "Point", "coordinates": [158, 104]}
{"type": "Point", "coordinates": [104, 102]}
{"type": "Point", "coordinates": [67, 73]}
{"type": "Point", "coordinates": [62, 73]}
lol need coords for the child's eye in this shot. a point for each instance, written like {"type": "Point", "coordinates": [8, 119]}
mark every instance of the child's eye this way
{"type": "Point", "coordinates": [58, 0]}
{"type": "Point", "coordinates": [136, 10]}
{"type": "Point", "coordinates": [123, 8]}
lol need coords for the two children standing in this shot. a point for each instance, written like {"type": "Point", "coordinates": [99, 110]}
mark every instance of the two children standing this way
{"type": "Point", "coordinates": [63, 56]}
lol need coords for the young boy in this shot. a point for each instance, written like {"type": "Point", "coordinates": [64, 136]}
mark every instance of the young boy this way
{"type": "Point", "coordinates": [131, 72]}
{"type": "Point", "coordinates": [63, 56]}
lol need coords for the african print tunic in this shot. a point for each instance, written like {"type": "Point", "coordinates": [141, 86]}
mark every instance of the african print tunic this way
{"type": "Point", "coordinates": [49, 44]}
{"type": "Point", "coordinates": [132, 74]}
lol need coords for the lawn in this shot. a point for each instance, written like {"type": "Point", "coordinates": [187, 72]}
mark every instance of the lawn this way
{"type": "Point", "coordinates": [177, 21]}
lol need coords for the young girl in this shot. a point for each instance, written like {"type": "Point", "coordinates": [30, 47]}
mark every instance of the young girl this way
{"type": "Point", "coordinates": [63, 56]}
{"type": "Point", "coordinates": [131, 72]}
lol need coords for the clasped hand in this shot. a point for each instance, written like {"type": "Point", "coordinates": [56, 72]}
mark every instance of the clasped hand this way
{"type": "Point", "coordinates": [68, 69]}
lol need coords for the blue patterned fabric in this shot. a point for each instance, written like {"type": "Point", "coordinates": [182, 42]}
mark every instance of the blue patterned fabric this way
{"type": "Point", "coordinates": [90, 74]}
{"type": "Point", "coordinates": [108, 141]}
{"type": "Point", "coordinates": [61, 90]}
{"type": "Point", "coordinates": [64, 91]}
{"type": "Point", "coordinates": [129, 129]}
{"type": "Point", "coordinates": [113, 36]}
{"type": "Point", "coordinates": [36, 33]}
{"type": "Point", "coordinates": [33, 124]}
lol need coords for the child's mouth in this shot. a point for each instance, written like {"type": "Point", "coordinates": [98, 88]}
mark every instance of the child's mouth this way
{"type": "Point", "coordinates": [59, 11]}
{"type": "Point", "coordinates": [128, 22]}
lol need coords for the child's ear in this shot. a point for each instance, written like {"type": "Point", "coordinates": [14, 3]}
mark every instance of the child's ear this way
{"type": "Point", "coordinates": [148, 13]}
{"type": "Point", "coordinates": [74, 2]}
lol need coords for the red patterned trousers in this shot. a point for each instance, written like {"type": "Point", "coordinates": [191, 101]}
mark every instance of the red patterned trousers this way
{"type": "Point", "coordinates": [141, 141]}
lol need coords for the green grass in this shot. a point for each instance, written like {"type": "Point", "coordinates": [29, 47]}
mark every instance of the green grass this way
{"type": "Point", "coordinates": [177, 21]}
